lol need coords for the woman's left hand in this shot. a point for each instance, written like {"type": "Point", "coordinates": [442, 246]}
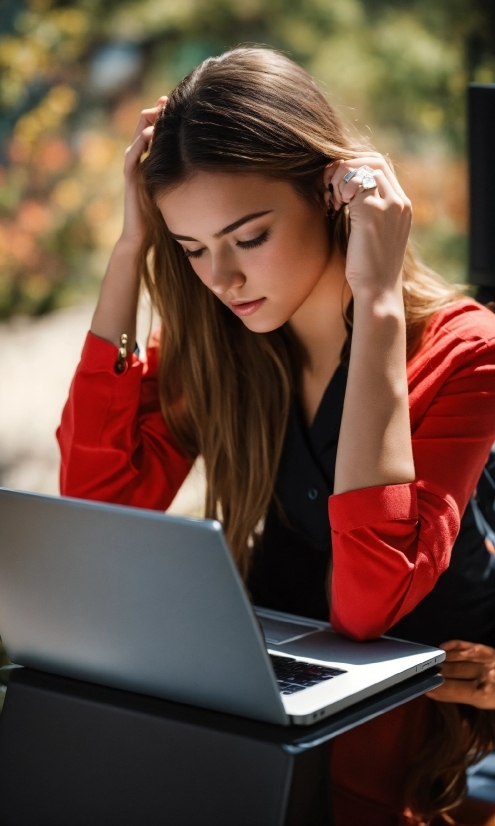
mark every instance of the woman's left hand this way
{"type": "Point", "coordinates": [469, 671]}
{"type": "Point", "coordinates": [380, 224]}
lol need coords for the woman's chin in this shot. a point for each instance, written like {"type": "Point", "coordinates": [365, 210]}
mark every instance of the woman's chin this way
{"type": "Point", "coordinates": [262, 325]}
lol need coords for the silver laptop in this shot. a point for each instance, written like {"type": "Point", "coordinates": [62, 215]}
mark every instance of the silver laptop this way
{"type": "Point", "coordinates": [151, 603]}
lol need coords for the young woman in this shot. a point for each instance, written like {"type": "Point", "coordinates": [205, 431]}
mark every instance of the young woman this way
{"type": "Point", "coordinates": [341, 394]}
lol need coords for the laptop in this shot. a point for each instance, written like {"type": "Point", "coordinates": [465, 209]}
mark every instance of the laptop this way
{"type": "Point", "coordinates": [152, 603]}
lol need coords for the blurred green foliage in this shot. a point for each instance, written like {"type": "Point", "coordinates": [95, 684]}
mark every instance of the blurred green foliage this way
{"type": "Point", "coordinates": [74, 76]}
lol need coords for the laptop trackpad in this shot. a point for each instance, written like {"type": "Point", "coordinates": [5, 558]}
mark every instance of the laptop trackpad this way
{"type": "Point", "coordinates": [277, 632]}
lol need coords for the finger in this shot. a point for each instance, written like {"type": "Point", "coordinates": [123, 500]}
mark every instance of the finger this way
{"type": "Point", "coordinates": [146, 118]}
{"type": "Point", "coordinates": [462, 670]}
{"type": "Point", "coordinates": [382, 193]}
{"type": "Point", "coordinates": [380, 162]}
{"type": "Point", "coordinates": [485, 696]}
{"type": "Point", "coordinates": [340, 169]}
{"type": "Point", "coordinates": [447, 646]}
{"type": "Point", "coordinates": [136, 149]}
{"type": "Point", "coordinates": [456, 691]}
{"type": "Point", "coordinates": [347, 190]}
{"type": "Point", "coordinates": [475, 653]}
{"type": "Point", "coordinates": [374, 161]}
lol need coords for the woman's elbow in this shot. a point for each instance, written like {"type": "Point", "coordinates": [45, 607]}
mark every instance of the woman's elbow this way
{"type": "Point", "coordinates": [358, 628]}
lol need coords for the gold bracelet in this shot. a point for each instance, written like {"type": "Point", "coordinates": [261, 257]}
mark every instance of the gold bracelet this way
{"type": "Point", "coordinates": [121, 362]}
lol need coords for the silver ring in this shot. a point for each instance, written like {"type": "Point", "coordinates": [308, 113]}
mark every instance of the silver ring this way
{"type": "Point", "coordinates": [368, 182]}
{"type": "Point", "coordinates": [349, 175]}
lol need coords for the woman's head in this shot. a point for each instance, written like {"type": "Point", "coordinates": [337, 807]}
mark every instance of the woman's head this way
{"type": "Point", "coordinates": [246, 133]}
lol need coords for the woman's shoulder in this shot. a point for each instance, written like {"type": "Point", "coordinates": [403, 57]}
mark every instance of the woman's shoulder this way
{"type": "Point", "coordinates": [464, 319]}
{"type": "Point", "coordinates": [458, 337]}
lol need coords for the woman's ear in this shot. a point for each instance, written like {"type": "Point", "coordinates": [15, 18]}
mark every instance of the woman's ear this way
{"type": "Point", "coordinates": [328, 174]}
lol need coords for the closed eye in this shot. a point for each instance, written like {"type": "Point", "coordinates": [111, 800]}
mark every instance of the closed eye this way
{"type": "Point", "coordinates": [246, 245]}
{"type": "Point", "coordinates": [255, 242]}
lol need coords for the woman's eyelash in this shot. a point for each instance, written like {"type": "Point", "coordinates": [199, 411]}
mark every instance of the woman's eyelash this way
{"type": "Point", "coordinates": [246, 245]}
{"type": "Point", "coordinates": [193, 253]}
{"type": "Point", "coordinates": [255, 242]}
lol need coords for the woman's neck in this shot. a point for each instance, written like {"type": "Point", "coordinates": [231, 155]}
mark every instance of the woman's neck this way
{"type": "Point", "coordinates": [318, 324]}
{"type": "Point", "coordinates": [320, 329]}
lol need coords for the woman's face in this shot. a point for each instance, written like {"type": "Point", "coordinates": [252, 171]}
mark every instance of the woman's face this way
{"type": "Point", "coordinates": [255, 242]}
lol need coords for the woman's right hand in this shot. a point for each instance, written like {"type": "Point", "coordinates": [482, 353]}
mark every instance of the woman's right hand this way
{"type": "Point", "coordinates": [116, 310]}
{"type": "Point", "coordinates": [133, 228]}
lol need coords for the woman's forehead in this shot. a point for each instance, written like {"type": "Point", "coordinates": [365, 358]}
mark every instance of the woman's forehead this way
{"type": "Point", "coordinates": [210, 201]}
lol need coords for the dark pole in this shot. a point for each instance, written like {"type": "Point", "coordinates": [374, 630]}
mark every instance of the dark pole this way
{"type": "Point", "coordinates": [481, 137]}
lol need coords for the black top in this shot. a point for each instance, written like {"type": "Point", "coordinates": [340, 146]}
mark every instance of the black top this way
{"type": "Point", "coordinates": [291, 563]}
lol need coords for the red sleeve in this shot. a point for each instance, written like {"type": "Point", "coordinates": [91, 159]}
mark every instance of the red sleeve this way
{"type": "Point", "coordinates": [392, 542]}
{"type": "Point", "coordinates": [114, 443]}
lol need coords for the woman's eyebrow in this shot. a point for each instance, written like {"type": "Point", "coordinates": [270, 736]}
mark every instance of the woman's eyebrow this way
{"type": "Point", "coordinates": [226, 230]}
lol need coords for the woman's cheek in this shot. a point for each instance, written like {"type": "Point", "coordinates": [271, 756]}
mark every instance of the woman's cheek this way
{"type": "Point", "coordinates": [274, 264]}
{"type": "Point", "coordinates": [201, 271]}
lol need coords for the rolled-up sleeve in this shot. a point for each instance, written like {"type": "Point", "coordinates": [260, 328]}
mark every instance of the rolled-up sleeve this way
{"type": "Point", "coordinates": [392, 542]}
{"type": "Point", "coordinates": [114, 443]}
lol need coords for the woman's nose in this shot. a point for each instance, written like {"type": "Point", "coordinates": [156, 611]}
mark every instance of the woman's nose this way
{"type": "Point", "coordinates": [225, 277]}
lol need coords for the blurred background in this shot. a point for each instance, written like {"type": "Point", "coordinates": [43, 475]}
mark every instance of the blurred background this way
{"type": "Point", "coordinates": [73, 79]}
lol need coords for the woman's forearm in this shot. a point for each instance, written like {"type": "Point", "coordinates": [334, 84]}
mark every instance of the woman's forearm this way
{"type": "Point", "coordinates": [116, 310]}
{"type": "Point", "coordinates": [375, 437]}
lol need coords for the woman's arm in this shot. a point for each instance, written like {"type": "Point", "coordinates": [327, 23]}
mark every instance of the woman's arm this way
{"type": "Point", "coordinates": [114, 443]}
{"type": "Point", "coordinates": [375, 435]}
{"type": "Point", "coordinates": [115, 446]}
{"type": "Point", "coordinates": [399, 495]}
{"type": "Point", "coordinates": [392, 542]}
{"type": "Point", "coordinates": [374, 445]}
{"type": "Point", "coordinates": [116, 310]}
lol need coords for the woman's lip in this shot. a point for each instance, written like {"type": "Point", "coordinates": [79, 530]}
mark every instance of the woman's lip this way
{"type": "Point", "coordinates": [247, 307]}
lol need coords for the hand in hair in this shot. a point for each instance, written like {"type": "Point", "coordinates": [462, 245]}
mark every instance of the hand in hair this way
{"type": "Point", "coordinates": [133, 229]}
{"type": "Point", "coordinates": [469, 671]}
{"type": "Point", "coordinates": [119, 295]}
{"type": "Point", "coordinates": [380, 221]}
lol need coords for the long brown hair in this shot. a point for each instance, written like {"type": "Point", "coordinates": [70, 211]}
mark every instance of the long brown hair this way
{"type": "Point", "coordinates": [225, 391]}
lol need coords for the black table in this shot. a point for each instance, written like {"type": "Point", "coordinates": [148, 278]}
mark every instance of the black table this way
{"type": "Point", "coordinates": [78, 754]}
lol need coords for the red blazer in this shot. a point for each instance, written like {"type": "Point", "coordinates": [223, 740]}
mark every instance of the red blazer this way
{"type": "Point", "coordinates": [390, 542]}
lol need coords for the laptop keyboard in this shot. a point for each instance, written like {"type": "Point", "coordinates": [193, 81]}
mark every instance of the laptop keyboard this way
{"type": "Point", "coordinates": [293, 675]}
